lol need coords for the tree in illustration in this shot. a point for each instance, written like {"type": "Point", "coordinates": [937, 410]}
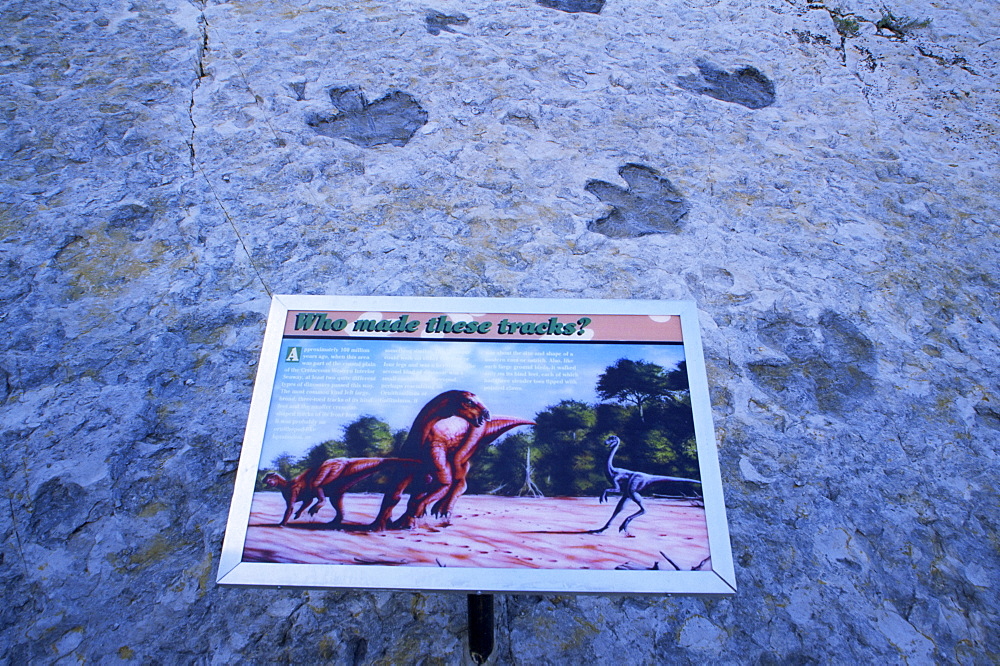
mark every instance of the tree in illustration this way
{"type": "Point", "coordinates": [499, 468]}
{"type": "Point", "coordinates": [368, 437]}
{"type": "Point", "coordinates": [529, 488]}
{"type": "Point", "coordinates": [561, 436]}
{"type": "Point", "coordinates": [284, 464]}
{"type": "Point", "coordinates": [639, 383]}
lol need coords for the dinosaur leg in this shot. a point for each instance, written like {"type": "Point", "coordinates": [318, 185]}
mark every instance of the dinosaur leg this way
{"type": "Point", "coordinates": [305, 504]}
{"type": "Point", "coordinates": [418, 492]}
{"type": "Point", "coordinates": [440, 497]}
{"type": "Point", "coordinates": [290, 500]}
{"type": "Point", "coordinates": [320, 501]}
{"type": "Point", "coordinates": [417, 506]}
{"type": "Point", "coordinates": [618, 510]}
{"type": "Point", "coordinates": [443, 507]}
{"type": "Point", "coordinates": [637, 498]}
{"type": "Point", "coordinates": [389, 502]}
{"type": "Point", "coordinates": [438, 483]}
{"type": "Point", "coordinates": [609, 491]}
{"type": "Point", "coordinates": [337, 501]}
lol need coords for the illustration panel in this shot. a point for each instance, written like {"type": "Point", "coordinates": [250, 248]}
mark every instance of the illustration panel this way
{"type": "Point", "coordinates": [476, 444]}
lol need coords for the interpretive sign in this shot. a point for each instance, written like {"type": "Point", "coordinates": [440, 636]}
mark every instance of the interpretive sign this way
{"type": "Point", "coordinates": [480, 445]}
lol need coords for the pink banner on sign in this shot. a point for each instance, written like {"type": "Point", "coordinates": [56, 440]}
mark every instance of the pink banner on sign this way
{"type": "Point", "coordinates": [491, 326]}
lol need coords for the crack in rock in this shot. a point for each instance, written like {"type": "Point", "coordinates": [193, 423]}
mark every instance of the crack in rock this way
{"type": "Point", "coordinates": [199, 75]}
{"type": "Point", "coordinates": [746, 86]}
{"type": "Point", "coordinates": [392, 119]}
{"type": "Point", "coordinates": [650, 205]}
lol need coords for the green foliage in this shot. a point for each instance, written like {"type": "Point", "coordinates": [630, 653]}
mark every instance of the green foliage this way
{"type": "Point", "coordinates": [847, 26]}
{"type": "Point", "coordinates": [561, 436]}
{"type": "Point", "coordinates": [651, 413]}
{"type": "Point", "coordinates": [500, 469]}
{"type": "Point", "coordinates": [317, 455]}
{"type": "Point", "coordinates": [900, 25]}
{"type": "Point", "coordinates": [661, 449]}
{"type": "Point", "coordinates": [639, 382]}
{"type": "Point", "coordinates": [653, 419]}
{"type": "Point", "coordinates": [284, 465]}
{"type": "Point", "coordinates": [566, 421]}
{"type": "Point", "coordinates": [368, 437]}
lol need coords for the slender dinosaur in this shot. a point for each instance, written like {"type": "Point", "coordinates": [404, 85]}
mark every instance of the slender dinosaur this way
{"type": "Point", "coordinates": [628, 483]}
{"type": "Point", "coordinates": [440, 428]}
{"type": "Point", "coordinates": [332, 478]}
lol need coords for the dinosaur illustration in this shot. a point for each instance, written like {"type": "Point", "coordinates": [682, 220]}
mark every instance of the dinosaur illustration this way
{"type": "Point", "coordinates": [440, 429]}
{"type": "Point", "coordinates": [293, 491]}
{"type": "Point", "coordinates": [477, 437]}
{"type": "Point", "coordinates": [628, 484]}
{"type": "Point", "coordinates": [332, 478]}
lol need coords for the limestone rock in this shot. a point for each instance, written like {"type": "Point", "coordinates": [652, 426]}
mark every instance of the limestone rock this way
{"type": "Point", "coordinates": [161, 179]}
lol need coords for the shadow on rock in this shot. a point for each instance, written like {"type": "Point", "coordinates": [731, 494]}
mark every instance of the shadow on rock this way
{"type": "Point", "coordinates": [436, 22]}
{"type": "Point", "coordinates": [831, 363]}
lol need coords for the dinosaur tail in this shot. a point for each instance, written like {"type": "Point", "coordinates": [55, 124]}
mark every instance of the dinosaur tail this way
{"type": "Point", "coordinates": [678, 479]}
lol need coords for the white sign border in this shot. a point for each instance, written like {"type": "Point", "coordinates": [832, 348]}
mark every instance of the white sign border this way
{"type": "Point", "coordinates": [721, 580]}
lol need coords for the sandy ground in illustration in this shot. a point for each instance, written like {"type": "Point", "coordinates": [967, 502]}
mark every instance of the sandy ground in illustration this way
{"type": "Point", "coordinates": [487, 531]}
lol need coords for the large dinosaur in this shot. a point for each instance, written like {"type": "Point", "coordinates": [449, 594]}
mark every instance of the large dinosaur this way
{"type": "Point", "coordinates": [476, 438]}
{"type": "Point", "coordinates": [440, 428]}
{"type": "Point", "coordinates": [332, 478]}
{"type": "Point", "coordinates": [628, 483]}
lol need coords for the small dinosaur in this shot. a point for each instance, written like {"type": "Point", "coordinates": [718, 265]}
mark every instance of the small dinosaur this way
{"type": "Point", "coordinates": [294, 490]}
{"type": "Point", "coordinates": [332, 479]}
{"type": "Point", "coordinates": [628, 483]}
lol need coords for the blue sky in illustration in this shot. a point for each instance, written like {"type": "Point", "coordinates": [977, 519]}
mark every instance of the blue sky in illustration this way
{"type": "Point", "coordinates": [336, 381]}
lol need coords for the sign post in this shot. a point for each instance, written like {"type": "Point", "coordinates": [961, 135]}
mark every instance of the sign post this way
{"type": "Point", "coordinates": [390, 443]}
{"type": "Point", "coordinates": [481, 629]}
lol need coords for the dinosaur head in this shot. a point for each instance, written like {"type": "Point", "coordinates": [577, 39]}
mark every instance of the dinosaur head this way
{"type": "Point", "coordinates": [612, 441]}
{"type": "Point", "coordinates": [272, 479]}
{"type": "Point", "coordinates": [469, 407]}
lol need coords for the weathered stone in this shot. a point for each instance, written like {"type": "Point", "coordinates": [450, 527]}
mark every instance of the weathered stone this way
{"type": "Point", "coordinates": [391, 119]}
{"type": "Point", "coordinates": [651, 204]}
{"type": "Point", "coordinates": [159, 181]}
{"type": "Point", "coordinates": [746, 86]}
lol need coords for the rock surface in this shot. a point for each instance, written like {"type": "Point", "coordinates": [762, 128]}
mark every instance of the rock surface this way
{"type": "Point", "coordinates": [161, 179]}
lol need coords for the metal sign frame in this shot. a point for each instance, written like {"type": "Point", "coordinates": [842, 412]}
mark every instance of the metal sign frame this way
{"type": "Point", "coordinates": [719, 579]}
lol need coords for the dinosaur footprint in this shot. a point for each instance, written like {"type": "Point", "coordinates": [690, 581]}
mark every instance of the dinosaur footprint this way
{"type": "Point", "coordinates": [436, 22]}
{"type": "Point", "coordinates": [650, 205]}
{"type": "Point", "coordinates": [746, 86]}
{"type": "Point", "coordinates": [393, 119]}
{"type": "Point", "coordinates": [574, 6]}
